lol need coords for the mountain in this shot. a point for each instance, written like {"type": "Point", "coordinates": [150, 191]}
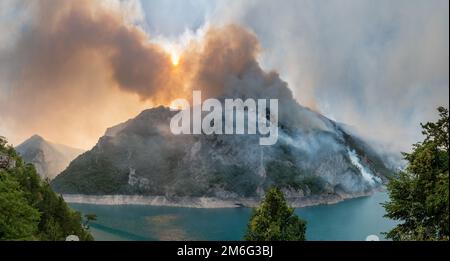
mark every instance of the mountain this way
{"type": "Point", "coordinates": [313, 156]}
{"type": "Point", "coordinates": [48, 158]}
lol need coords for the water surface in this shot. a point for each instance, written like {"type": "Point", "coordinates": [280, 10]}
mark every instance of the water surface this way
{"type": "Point", "coordinates": [353, 219]}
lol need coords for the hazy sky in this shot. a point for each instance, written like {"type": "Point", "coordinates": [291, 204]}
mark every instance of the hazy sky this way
{"type": "Point", "coordinates": [379, 66]}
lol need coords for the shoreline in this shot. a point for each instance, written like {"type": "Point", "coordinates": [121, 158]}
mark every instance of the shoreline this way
{"type": "Point", "coordinates": [206, 202]}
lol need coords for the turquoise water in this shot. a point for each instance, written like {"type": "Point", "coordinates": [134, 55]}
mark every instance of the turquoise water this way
{"type": "Point", "coordinates": [353, 219]}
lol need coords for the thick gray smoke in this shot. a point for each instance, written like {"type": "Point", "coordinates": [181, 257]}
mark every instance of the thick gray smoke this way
{"type": "Point", "coordinates": [77, 68]}
{"type": "Point", "coordinates": [69, 69]}
{"type": "Point", "coordinates": [381, 66]}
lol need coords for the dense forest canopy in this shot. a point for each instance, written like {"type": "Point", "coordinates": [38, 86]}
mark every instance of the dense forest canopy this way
{"type": "Point", "coordinates": [29, 209]}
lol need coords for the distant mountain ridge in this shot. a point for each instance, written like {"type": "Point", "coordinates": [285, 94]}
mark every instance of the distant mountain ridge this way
{"type": "Point", "coordinates": [48, 158]}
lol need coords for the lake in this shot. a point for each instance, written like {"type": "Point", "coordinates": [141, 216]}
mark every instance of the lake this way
{"type": "Point", "coordinates": [352, 219]}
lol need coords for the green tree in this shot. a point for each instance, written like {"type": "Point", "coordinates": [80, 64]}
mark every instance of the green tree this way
{"type": "Point", "coordinates": [18, 220]}
{"type": "Point", "coordinates": [29, 208]}
{"type": "Point", "coordinates": [2, 142]}
{"type": "Point", "coordinates": [88, 218]}
{"type": "Point", "coordinates": [58, 220]}
{"type": "Point", "coordinates": [274, 220]}
{"type": "Point", "coordinates": [419, 195]}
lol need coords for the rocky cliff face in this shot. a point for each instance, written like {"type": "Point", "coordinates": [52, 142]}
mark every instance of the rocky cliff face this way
{"type": "Point", "coordinates": [48, 158]}
{"type": "Point", "coordinates": [313, 156]}
{"type": "Point", "coordinates": [6, 162]}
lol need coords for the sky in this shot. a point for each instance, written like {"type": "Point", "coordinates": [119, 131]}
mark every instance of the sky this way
{"type": "Point", "coordinates": [380, 67]}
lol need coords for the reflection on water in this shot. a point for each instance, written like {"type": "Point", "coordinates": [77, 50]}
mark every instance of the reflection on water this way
{"type": "Point", "coordinates": [166, 228]}
{"type": "Point", "coordinates": [162, 219]}
{"type": "Point", "coordinates": [349, 220]}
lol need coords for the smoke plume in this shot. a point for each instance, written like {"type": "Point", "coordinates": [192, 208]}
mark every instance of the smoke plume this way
{"type": "Point", "coordinates": [78, 67]}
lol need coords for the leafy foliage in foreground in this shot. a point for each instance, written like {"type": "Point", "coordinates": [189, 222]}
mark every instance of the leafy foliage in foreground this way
{"type": "Point", "coordinates": [29, 209]}
{"type": "Point", "coordinates": [274, 220]}
{"type": "Point", "coordinates": [419, 195]}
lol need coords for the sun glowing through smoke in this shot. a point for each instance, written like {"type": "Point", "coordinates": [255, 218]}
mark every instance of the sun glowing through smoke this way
{"type": "Point", "coordinates": [173, 49]}
{"type": "Point", "coordinates": [175, 58]}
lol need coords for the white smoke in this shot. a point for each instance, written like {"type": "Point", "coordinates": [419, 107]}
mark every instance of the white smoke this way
{"type": "Point", "coordinates": [381, 66]}
{"type": "Point", "coordinates": [365, 172]}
